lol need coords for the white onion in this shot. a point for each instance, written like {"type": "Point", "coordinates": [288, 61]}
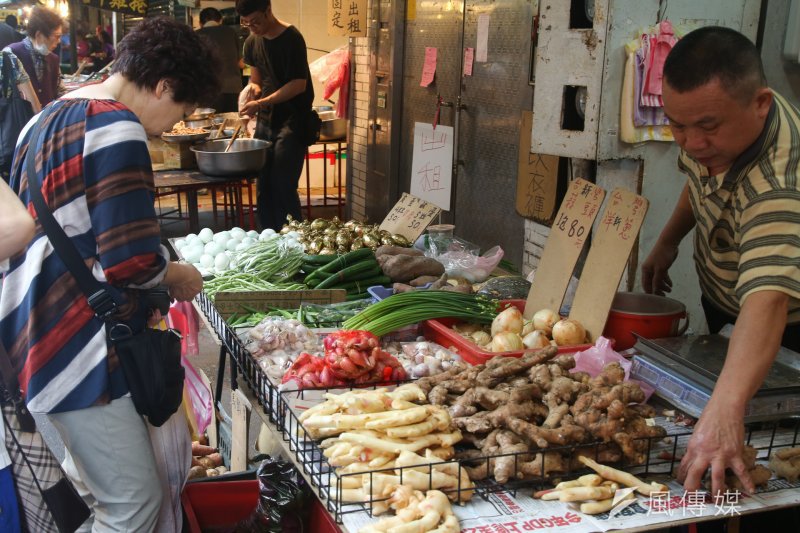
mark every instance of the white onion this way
{"type": "Point", "coordinates": [481, 338]}
{"type": "Point", "coordinates": [536, 339]}
{"type": "Point", "coordinates": [529, 327]}
{"type": "Point", "coordinates": [506, 341]}
{"type": "Point", "coordinates": [544, 319]}
{"type": "Point", "coordinates": [568, 332]}
{"type": "Point", "coordinates": [508, 320]}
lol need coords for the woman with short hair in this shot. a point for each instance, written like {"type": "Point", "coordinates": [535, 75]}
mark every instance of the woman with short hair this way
{"type": "Point", "coordinates": [97, 179]}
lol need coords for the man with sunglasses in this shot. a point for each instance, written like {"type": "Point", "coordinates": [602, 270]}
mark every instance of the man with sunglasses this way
{"type": "Point", "coordinates": [281, 95]}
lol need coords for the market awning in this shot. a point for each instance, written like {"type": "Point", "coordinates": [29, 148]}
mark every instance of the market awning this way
{"type": "Point", "coordinates": [129, 7]}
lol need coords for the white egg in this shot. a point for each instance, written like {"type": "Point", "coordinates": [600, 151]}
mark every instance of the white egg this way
{"type": "Point", "coordinates": [242, 246]}
{"type": "Point", "coordinates": [192, 254]}
{"type": "Point", "coordinates": [253, 234]}
{"type": "Point", "coordinates": [180, 243]}
{"type": "Point", "coordinates": [206, 260]}
{"type": "Point", "coordinates": [249, 241]}
{"type": "Point", "coordinates": [213, 248]}
{"type": "Point", "coordinates": [238, 233]}
{"type": "Point", "coordinates": [222, 237]}
{"type": "Point", "coordinates": [221, 262]}
{"type": "Point", "coordinates": [191, 237]}
{"type": "Point", "coordinates": [293, 235]}
{"type": "Point", "coordinates": [232, 244]}
{"type": "Point", "coordinates": [206, 235]}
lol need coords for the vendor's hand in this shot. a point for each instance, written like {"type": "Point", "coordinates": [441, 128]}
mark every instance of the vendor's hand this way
{"type": "Point", "coordinates": [716, 442]}
{"type": "Point", "coordinates": [655, 269]}
{"type": "Point", "coordinates": [188, 284]}
{"type": "Point", "coordinates": [250, 109]}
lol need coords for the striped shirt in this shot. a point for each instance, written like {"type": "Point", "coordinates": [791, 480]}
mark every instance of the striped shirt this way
{"type": "Point", "coordinates": [98, 182]}
{"type": "Point", "coordinates": [747, 237]}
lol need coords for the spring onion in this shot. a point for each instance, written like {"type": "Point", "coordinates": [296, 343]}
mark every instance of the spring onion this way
{"type": "Point", "coordinates": [408, 308]}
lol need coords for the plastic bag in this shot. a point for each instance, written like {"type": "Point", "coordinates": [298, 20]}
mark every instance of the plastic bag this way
{"type": "Point", "coordinates": [281, 499]}
{"type": "Point", "coordinates": [322, 68]}
{"type": "Point", "coordinates": [462, 259]}
{"type": "Point", "coordinates": [594, 359]}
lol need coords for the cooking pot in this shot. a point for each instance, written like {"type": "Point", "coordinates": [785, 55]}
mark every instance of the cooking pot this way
{"type": "Point", "coordinates": [246, 156]}
{"type": "Point", "coordinates": [332, 128]}
{"type": "Point", "coordinates": [647, 315]}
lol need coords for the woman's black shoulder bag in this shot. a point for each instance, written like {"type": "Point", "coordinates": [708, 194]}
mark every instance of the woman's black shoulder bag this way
{"type": "Point", "coordinates": [151, 359]}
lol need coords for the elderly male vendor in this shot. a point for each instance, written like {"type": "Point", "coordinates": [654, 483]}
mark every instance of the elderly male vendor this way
{"type": "Point", "coordinates": [740, 150]}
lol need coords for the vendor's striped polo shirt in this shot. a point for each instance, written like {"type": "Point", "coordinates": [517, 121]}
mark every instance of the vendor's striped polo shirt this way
{"type": "Point", "coordinates": [747, 237]}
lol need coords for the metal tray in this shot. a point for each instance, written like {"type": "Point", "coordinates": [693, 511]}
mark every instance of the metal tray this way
{"type": "Point", "coordinates": [188, 137]}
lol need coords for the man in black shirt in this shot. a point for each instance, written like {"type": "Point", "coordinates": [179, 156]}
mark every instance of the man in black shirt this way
{"type": "Point", "coordinates": [281, 95]}
{"type": "Point", "coordinates": [226, 43]}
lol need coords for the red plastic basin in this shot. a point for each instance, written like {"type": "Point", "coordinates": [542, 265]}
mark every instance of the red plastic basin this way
{"type": "Point", "coordinates": [440, 331]}
{"type": "Point", "coordinates": [648, 315]}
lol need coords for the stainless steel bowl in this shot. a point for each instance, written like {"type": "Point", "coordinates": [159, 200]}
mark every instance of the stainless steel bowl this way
{"type": "Point", "coordinates": [332, 128]}
{"type": "Point", "coordinates": [246, 156]}
{"type": "Point", "coordinates": [201, 113]}
{"type": "Point", "coordinates": [199, 123]}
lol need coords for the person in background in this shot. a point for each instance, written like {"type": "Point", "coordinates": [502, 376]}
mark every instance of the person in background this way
{"type": "Point", "coordinates": [12, 23]}
{"type": "Point", "coordinates": [280, 96]}
{"type": "Point", "coordinates": [97, 178]}
{"type": "Point", "coordinates": [740, 150]}
{"type": "Point", "coordinates": [36, 53]}
{"type": "Point", "coordinates": [105, 54]}
{"type": "Point", "coordinates": [83, 49]}
{"type": "Point", "coordinates": [7, 35]}
{"type": "Point", "coordinates": [226, 42]}
{"type": "Point", "coordinates": [23, 83]}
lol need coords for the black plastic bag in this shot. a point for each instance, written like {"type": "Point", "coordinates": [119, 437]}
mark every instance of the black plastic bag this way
{"type": "Point", "coordinates": [281, 498]}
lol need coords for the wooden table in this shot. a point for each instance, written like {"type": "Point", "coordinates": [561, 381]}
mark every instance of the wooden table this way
{"type": "Point", "coordinates": [191, 181]}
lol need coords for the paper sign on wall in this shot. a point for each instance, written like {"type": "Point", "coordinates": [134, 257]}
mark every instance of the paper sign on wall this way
{"type": "Point", "coordinates": [429, 68]}
{"type": "Point", "coordinates": [482, 47]}
{"type": "Point", "coordinates": [347, 18]}
{"type": "Point", "coordinates": [537, 178]}
{"type": "Point", "coordinates": [432, 164]}
{"type": "Point", "coordinates": [469, 57]}
{"type": "Point", "coordinates": [409, 217]}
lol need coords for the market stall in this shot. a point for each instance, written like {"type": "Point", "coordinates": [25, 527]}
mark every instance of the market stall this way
{"type": "Point", "coordinates": [457, 410]}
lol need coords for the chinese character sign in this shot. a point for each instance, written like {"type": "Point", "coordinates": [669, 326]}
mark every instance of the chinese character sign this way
{"type": "Point", "coordinates": [409, 217]}
{"type": "Point", "coordinates": [432, 164]}
{"type": "Point", "coordinates": [130, 7]}
{"type": "Point", "coordinates": [347, 18]}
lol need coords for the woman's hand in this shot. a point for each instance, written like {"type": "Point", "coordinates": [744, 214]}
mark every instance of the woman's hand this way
{"type": "Point", "coordinates": [184, 281]}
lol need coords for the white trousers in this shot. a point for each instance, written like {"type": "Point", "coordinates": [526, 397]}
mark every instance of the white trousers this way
{"type": "Point", "coordinates": [110, 460]}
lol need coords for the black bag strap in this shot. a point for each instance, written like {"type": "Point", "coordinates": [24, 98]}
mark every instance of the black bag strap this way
{"type": "Point", "coordinates": [100, 300]}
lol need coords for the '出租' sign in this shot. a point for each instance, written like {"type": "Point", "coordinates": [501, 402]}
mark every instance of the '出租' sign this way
{"type": "Point", "coordinates": [347, 18]}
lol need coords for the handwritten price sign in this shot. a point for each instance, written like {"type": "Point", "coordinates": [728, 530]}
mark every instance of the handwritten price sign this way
{"type": "Point", "coordinates": [409, 217]}
{"type": "Point", "coordinates": [567, 236]}
{"type": "Point", "coordinates": [616, 233]}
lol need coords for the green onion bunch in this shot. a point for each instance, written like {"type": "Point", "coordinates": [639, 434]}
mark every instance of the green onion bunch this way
{"type": "Point", "coordinates": [408, 308]}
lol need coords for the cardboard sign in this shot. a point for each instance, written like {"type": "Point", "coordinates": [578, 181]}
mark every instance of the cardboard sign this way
{"type": "Point", "coordinates": [409, 217]}
{"type": "Point", "coordinates": [567, 237]}
{"type": "Point", "coordinates": [612, 243]}
{"type": "Point", "coordinates": [229, 303]}
{"type": "Point", "coordinates": [432, 164]}
{"type": "Point", "coordinates": [347, 19]}
{"type": "Point", "coordinates": [537, 178]}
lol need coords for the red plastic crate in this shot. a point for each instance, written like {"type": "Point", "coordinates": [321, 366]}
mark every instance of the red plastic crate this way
{"type": "Point", "coordinates": [220, 504]}
{"type": "Point", "coordinates": [440, 331]}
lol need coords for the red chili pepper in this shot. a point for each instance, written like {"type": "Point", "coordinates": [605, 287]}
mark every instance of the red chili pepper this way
{"type": "Point", "coordinates": [387, 373]}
